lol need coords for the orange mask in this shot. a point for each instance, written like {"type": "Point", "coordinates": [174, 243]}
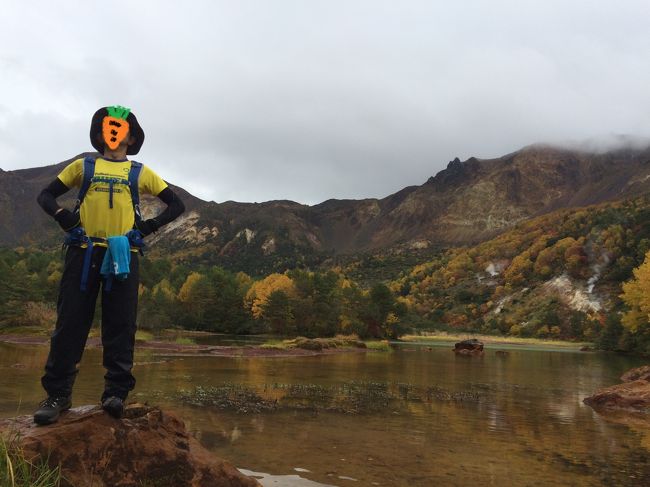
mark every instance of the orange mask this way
{"type": "Point", "coordinates": [115, 128]}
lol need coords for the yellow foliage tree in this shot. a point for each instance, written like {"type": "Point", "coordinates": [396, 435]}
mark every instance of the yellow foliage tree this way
{"type": "Point", "coordinates": [258, 293]}
{"type": "Point", "coordinates": [185, 291]}
{"type": "Point", "coordinates": [613, 239]}
{"type": "Point", "coordinates": [545, 262]}
{"type": "Point", "coordinates": [54, 278]}
{"type": "Point", "coordinates": [458, 267]}
{"type": "Point", "coordinates": [165, 288]}
{"type": "Point", "coordinates": [636, 294]}
{"type": "Point", "coordinates": [519, 269]}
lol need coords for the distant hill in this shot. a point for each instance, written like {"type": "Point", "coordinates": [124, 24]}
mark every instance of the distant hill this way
{"type": "Point", "coordinates": [466, 203]}
{"type": "Point", "coordinates": [555, 276]}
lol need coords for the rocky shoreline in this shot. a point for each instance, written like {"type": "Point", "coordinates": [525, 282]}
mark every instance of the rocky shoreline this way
{"type": "Point", "coordinates": [627, 403]}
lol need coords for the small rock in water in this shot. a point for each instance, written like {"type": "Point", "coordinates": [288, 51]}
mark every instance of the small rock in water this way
{"type": "Point", "coordinates": [469, 347]}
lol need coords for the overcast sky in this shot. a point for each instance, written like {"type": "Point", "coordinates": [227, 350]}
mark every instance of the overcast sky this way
{"type": "Point", "coordinates": [310, 100]}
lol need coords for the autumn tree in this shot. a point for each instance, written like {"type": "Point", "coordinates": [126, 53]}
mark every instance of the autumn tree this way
{"type": "Point", "coordinates": [519, 269]}
{"type": "Point", "coordinates": [259, 292]}
{"type": "Point", "coordinates": [636, 294]}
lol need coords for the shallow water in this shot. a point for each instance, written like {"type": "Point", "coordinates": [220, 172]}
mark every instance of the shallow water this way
{"type": "Point", "coordinates": [529, 426]}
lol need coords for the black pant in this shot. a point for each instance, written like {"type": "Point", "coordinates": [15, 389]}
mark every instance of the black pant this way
{"type": "Point", "coordinates": [76, 308]}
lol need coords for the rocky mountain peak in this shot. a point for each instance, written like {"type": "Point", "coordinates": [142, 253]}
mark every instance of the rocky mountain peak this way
{"type": "Point", "coordinates": [466, 202]}
{"type": "Point", "coordinates": [456, 173]}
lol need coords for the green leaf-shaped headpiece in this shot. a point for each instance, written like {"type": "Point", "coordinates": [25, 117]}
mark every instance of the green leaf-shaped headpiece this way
{"type": "Point", "coordinates": [118, 111]}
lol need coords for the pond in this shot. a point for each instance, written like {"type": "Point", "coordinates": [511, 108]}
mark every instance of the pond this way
{"type": "Point", "coordinates": [502, 419]}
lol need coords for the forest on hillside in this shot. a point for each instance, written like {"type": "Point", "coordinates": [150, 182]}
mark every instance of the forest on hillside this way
{"type": "Point", "coordinates": [574, 274]}
{"type": "Point", "coordinates": [557, 276]}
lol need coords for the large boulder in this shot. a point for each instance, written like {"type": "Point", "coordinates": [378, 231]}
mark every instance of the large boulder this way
{"type": "Point", "coordinates": [640, 373]}
{"type": "Point", "coordinates": [469, 347]}
{"type": "Point", "coordinates": [146, 447]}
{"type": "Point", "coordinates": [632, 395]}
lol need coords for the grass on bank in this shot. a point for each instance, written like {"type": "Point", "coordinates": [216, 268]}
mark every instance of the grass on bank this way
{"type": "Point", "coordinates": [493, 339]}
{"type": "Point", "coordinates": [26, 330]}
{"type": "Point", "coordinates": [143, 336]}
{"type": "Point", "coordinates": [339, 341]}
{"type": "Point", "coordinates": [17, 471]}
{"type": "Point", "coordinates": [378, 345]}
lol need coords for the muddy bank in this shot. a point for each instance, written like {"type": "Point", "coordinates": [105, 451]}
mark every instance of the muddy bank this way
{"type": "Point", "coordinates": [181, 349]}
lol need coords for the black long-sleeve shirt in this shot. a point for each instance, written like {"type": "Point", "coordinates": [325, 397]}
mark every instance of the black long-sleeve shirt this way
{"type": "Point", "coordinates": [47, 200]}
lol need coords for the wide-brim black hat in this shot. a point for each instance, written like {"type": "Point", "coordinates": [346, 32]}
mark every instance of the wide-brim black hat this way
{"type": "Point", "coordinates": [96, 130]}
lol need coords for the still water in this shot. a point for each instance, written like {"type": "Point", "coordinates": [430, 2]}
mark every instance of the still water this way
{"type": "Point", "coordinates": [529, 426]}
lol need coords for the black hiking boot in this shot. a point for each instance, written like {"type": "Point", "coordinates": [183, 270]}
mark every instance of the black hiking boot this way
{"type": "Point", "coordinates": [114, 406]}
{"type": "Point", "coordinates": [50, 409]}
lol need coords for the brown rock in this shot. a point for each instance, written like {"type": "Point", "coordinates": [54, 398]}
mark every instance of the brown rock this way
{"type": "Point", "coordinates": [147, 445]}
{"type": "Point", "coordinates": [633, 396]}
{"type": "Point", "coordinates": [642, 373]}
{"type": "Point", "coordinates": [626, 404]}
{"type": "Point", "coordinates": [469, 347]}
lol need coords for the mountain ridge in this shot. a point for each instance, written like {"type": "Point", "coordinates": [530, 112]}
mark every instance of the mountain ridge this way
{"type": "Point", "coordinates": [467, 202]}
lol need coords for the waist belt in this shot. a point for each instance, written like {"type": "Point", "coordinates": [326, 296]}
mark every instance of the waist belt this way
{"type": "Point", "coordinates": [77, 237]}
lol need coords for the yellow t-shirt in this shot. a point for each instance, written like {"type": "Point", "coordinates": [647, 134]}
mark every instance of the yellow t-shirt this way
{"type": "Point", "coordinates": [97, 217]}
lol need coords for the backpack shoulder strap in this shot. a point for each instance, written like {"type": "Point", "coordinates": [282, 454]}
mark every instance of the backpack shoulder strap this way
{"type": "Point", "coordinates": [88, 173]}
{"type": "Point", "coordinates": [134, 175]}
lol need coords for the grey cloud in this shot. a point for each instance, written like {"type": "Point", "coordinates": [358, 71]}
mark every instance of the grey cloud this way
{"type": "Point", "coordinates": [301, 100]}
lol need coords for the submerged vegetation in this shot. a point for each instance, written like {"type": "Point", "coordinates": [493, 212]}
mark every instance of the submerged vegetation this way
{"type": "Point", "coordinates": [348, 397]}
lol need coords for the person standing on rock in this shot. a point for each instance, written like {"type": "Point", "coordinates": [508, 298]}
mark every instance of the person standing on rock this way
{"type": "Point", "coordinates": [104, 233]}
